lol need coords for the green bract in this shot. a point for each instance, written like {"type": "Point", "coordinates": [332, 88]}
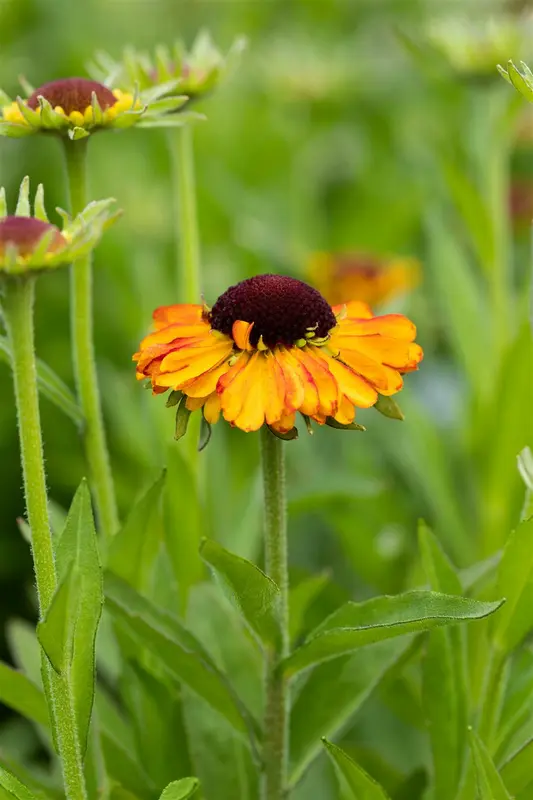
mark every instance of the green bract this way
{"type": "Point", "coordinates": [30, 243]}
{"type": "Point", "coordinates": [195, 72]}
{"type": "Point", "coordinates": [522, 81]}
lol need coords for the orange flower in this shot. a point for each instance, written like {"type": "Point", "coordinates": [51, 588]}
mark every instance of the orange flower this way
{"type": "Point", "coordinates": [271, 346]}
{"type": "Point", "coordinates": [362, 277]}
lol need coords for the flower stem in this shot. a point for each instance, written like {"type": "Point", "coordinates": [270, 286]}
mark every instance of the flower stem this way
{"type": "Point", "coordinates": [276, 732]}
{"type": "Point", "coordinates": [184, 190]}
{"type": "Point", "coordinates": [81, 315]}
{"type": "Point", "coordinates": [18, 313]}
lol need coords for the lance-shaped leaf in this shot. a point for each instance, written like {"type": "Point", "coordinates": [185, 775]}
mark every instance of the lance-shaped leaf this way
{"type": "Point", "coordinates": [175, 648]}
{"type": "Point", "coordinates": [180, 790]}
{"type": "Point", "coordinates": [254, 592]}
{"type": "Point", "coordinates": [13, 787]}
{"type": "Point", "coordinates": [514, 574]}
{"type": "Point", "coordinates": [354, 781]}
{"type": "Point", "coordinates": [443, 677]}
{"type": "Point", "coordinates": [133, 549]}
{"type": "Point", "coordinates": [68, 631]}
{"type": "Point", "coordinates": [516, 772]}
{"type": "Point", "coordinates": [355, 625]}
{"type": "Point", "coordinates": [22, 695]}
{"type": "Point", "coordinates": [489, 783]}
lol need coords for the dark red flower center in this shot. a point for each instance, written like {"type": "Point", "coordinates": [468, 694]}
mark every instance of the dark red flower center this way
{"type": "Point", "coordinates": [25, 234]}
{"type": "Point", "coordinates": [73, 94]}
{"type": "Point", "coordinates": [282, 309]}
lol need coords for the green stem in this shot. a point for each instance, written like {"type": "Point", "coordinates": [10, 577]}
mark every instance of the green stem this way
{"type": "Point", "coordinates": [81, 315]}
{"type": "Point", "coordinates": [18, 313]}
{"type": "Point", "coordinates": [184, 190]}
{"type": "Point", "coordinates": [276, 733]}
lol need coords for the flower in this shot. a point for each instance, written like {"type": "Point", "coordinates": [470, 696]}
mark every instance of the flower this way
{"type": "Point", "coordinates": [195, 72]}
{"type": "Point", "coordinates": [373, 280]}
{"type": "Point", "coordinates": [272, 346]}
{"type": "Point", "coordinates": [473, 47]}
{"type": "Point", "coordinates": [32, 244]}
{"type": "Point", "coordinates": [77, 107]}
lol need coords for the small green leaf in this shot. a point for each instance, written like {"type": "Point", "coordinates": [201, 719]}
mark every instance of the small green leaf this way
{"type": "Point", "coordinates": [318, 711]}
{"type": "Point", "coordinates": [173, 399]}
{"type": "Point", "coordinates": [77, 552]}
{"type": "Point", "coordinates": [14, 787]}
{"type": "Point", "coordinates": [444, 689]}
{"type": "Point", "coordinates": [180, 790]}
{"type": "Point", "coordinates": [205, 434]}
{"type": "Point", "coordinates": [514, 574]}
{"type": "Point", "coordinates": [55, 631]}
{"type": "Point", "coordinates": [355, 625]}
{"type": "Point", "coordinates": [133, 549]}
{"type": "Point", "coordinates": [352, 426]}
{"type": "Point", "coordinates": [254, 592]}
{"type": "Point", "coordinates": [489, 782]}
{"type": "Point", "coordinates": [516, 772]}
{"type": "Point", "coordinates": [182, 419]}
{"type": "Point", "coordinates": [288, 436]}
{"type": "Point", "coordinates": [174, 648]}
{"type": "Point", "coordinates": [356, 782]}
{"type": "Point", "coordinates": [22, 695]}
{"type": "Point", "coordinates": [388, 407]}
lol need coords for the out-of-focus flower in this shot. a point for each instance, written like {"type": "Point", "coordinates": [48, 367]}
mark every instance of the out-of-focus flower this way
{"type": "Point", "coordinates": [272, 346]}
{"type": "Point", "coordinates": [299, 69]}
{"type": "Point", "coordinates": [473, 48]}
{"type": "Point", "coordinates": [521, 201]}
{"type": "Point", "coordinates": [32, 244]}
{"type": "Point", "coordinates": [77, 107]}
{"type": "Point", "coordinates": [194, 72]}
{"type": "Point", "coordinates": [372, 280]}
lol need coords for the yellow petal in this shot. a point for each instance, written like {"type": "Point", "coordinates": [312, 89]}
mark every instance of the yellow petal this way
{"type": "Point", "coordinates": [241, 334]}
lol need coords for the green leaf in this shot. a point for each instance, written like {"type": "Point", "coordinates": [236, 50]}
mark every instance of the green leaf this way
{"type": "Point", "coordinates": [300, 598]}
{"type": "Point", "coordinates": [126, 769]}
{"type": "Point", "coordinates": [254, 592]}
{"type": "Point", "coordinates": [388, 407]}
{"type": "Point", "coordinates": [77, 554]}
{"type": "Point", "coordinates": [182, 419]}
{"type": "Point", "coordinates": [183, 522]}
{"type": "Point", "coordinates": [14, 787]}
{"type": "Point", "coordinates": [319, 711]}
{"type": "Point", "coordinates": [180, 790]}
{"type": "Point", "coordinates": [489, 783]}
{"type": "Point", "coordinates": [155, 715]}
{"type": "Point", "coordinates": [50, 385]}
{"type": "Point", "coordinates": [514, 574]}
{"type": "Point", "coordinates": [133, 549]}
{"type": "Point", "coordinates": [444, 689]}
{"type": "Point", "coordinates": [22, 695]}
{"type": "Point", "coordinates": [56, 630]}
{"type": "Point", "coordinates": [174, 647]}
{"type": "Point", "coordinates": [355, 625]}
{"type": "Point", "coordinates": [516, 772]}
{"type": "Point", "coordinates": [357, 783]}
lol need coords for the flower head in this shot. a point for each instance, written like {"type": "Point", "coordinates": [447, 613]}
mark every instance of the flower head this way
{"type": "Point", "coordinates": [31, 243]}
{"type": "Point", "coordinates": [195, 72]}
{"type": "Point", "coordinates": [77, 107]}
{"type": "Point", "coordinates": [272, 346]}
{"type": "Point", "coordinates": [472, 48]}
{"type": "Point", "coordinates": [341, 276]}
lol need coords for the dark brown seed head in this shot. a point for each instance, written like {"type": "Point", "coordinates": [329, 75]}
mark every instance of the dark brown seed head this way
{"type": "Point", "coordinates": [73, 94]}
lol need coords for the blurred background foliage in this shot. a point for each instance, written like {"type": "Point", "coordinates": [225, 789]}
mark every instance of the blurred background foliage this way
{"type": "Point", "coordinates": [348, 126]}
